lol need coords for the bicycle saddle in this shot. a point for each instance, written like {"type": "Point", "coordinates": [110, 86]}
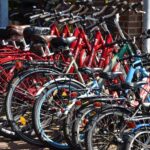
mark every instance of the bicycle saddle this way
{"type": "Point", "coordinates": [29, 31]}
{"type": "Point", "coordinates": [60, 43]}
{"type": "Point", "coordinates": [40, 44]}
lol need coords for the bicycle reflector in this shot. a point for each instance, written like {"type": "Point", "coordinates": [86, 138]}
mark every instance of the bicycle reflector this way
{"type": "Point", "coordinates": [23, 121]}
{"type": "Point", "coordinates": [55, 92]}
{"type": "Point", "coordinates": [85, 121]}
{"type": "Point", "coordinates": [73, 94]}
{"type": "Point", "coordinates": [62, 110]}
{"type": "Point", "coordinates": [18, 65]}
{"type": "Point", "coordinates": [64, 94]}
{"type": "Point", "coordinates": [131, 124]}
{"type": "Point", "coordinates": [78, 103]}
{"type": "Point", "coordinates": [97, 104]}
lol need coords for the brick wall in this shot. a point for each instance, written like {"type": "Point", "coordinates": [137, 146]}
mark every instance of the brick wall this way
{"type": "Point", "coordinates": [130, 22]}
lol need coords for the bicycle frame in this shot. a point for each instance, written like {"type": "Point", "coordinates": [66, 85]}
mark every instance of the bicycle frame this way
{"type": "Point", "coordinates": [126, 48]}
{"type": "Point", "coordinates": [146, 88]}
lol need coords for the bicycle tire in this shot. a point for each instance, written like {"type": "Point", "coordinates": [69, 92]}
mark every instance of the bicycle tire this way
{"type": "Point", "coordinates": [52, 142]}
{"type": "Point", "coordinates": [98, 119]}
{"type": "Point", "coordinates": [134, 139]}
{"type": "Point", "coordinates": [13, 87]}
{"type": "Point", "coordinates": [5, 129]}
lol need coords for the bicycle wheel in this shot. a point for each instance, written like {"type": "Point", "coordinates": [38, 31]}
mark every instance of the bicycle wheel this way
{"type": "Point", "coordinates": [5, 77]}
{"type": "Point", "coordinates": [105, 131]}
{"type": "Point", "coordinates": [79, 116]}
{"type": "Point", "coordinates": [48, 112]}
{"type": "Point", "coordinates": [20, 100]}
{"type": "Point", "coordinates": [67, 126]}
{"type": "Point", "coordinates": [139, 141]}
{"type": "Point", "coordinates": [74, 119]}
{"type": "Point", "coordinates": [83, 117]}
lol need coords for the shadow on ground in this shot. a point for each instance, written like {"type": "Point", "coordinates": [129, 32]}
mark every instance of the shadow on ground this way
{"type": "Point", "coordinates": [7, 144]}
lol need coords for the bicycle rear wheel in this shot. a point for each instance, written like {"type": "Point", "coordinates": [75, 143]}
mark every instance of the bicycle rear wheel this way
{"type": "Point", "coordinates": [20, 100]}
{"type": "Point", "coordinates": [6, 75]}
{"type": "Point", "coordinates": [49, 109]}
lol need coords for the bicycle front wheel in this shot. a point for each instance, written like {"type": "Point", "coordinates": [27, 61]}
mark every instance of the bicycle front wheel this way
{"type": "Point", "coordinates": [105, 131]}
{"type": "Point", "coordinates": [139, 141]}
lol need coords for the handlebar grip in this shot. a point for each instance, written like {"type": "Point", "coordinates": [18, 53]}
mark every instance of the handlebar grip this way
{"type": "Point", "coordinates": [63, 20]}
{"type": "Point", "coordinates": [45, 15]}
{"type": "Point", "coordinates": [35, 16]}
{"type": "Point", "coordinates": [49, 18]}
{"type": "Point", "coordinates": [64, 15]}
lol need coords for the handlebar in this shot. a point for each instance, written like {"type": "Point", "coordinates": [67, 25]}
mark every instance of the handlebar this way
{"type": "Point", "coordinates": [69, 9]}
{"type": "Point", "coordinates": [35, 16]}
{"type": "Point", "coordinates": [45, 15]}
{"type": "Point", "coordinates": [100, 12]}
{"type": "Point", "coordinates": [146, 55]}
{"type": "Point", "coordinates": [112, 14]}
{"type": "Point", "coordinates": [134, 6]}
{"type": "Point", "coordinates": [78, 10]}
{"type": "Point", "coordinates": [118, 6]}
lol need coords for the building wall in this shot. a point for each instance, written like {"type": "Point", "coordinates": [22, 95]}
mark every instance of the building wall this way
{"type": "Point", "coordinates": [131, 22]}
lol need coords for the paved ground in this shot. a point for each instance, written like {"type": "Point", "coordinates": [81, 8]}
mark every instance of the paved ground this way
{"type": "Point", "coordinates": [6, 144]}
